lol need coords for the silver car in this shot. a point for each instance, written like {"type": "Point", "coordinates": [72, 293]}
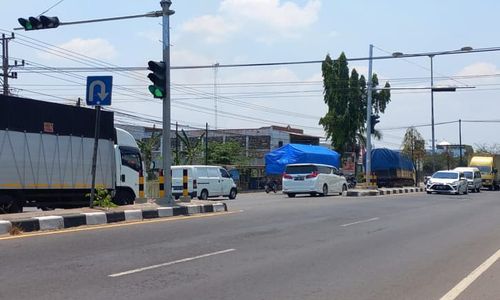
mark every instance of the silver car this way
{"type": "Point", "coordinates": [449, 182]}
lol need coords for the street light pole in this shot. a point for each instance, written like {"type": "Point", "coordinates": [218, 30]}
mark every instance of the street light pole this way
{"type": "Point", "coordinates": [368, 120]}
{"type": "Point", "coordinates": [167, 147]}
{"type": "Point", "coordinates": [432, 116]}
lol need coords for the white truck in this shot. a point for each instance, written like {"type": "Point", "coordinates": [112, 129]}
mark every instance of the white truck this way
{"type": "Point", "coordinates": [46, 156]}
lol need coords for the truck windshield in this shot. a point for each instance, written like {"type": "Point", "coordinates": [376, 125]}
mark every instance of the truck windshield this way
{"type": "Point", "coordinates": [301, 169]}
{"type": "Point", "coordinates": [445, 175]}
{"type": "Point", "coordinates": [131, 158]}
{"type": "Point", "coordinates": [483, 169]}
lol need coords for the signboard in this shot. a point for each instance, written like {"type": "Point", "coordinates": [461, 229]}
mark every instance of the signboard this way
{"type": "Point", "coordinates": [99, 90]}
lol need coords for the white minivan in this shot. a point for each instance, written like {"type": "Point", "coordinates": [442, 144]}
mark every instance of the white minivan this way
{"type": "Point", "coordinates": [203, 182]}
{"type": "Point", "coordinates": [473, 176]}
{"type": "Point", "coordinates": [312, 179]}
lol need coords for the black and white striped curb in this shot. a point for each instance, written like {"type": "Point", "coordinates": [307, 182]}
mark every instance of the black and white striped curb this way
{"type": "Point", "coordinates": [384, 191]}
{"type": "Point", "coordinates": [97, 218]}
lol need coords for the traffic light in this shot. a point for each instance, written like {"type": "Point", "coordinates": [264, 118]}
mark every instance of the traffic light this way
{"type": "Point", "coordinates": [41, 22]}
{"type": "Point", "coordinates": [373, 121]}
{"type": "Point", "coordinates": [158, 78]}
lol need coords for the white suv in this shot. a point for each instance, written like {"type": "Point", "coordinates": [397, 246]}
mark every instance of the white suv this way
{"type": "Point", "coordinates": [451, 182]}
{"type": "Point", "coordinates": [312, 179]}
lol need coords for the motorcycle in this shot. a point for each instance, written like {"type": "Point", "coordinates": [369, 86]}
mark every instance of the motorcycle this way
{"type": "Point", "coordinates": [351, 182]}
{"type": "Point", "coordinates": [271, 187]}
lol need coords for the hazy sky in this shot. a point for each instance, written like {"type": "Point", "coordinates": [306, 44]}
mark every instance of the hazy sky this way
{"type": "Point", "coordinates": [255, 31]}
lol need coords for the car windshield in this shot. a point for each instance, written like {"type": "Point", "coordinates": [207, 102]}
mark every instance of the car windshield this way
{"type": "Point", "coordinates": [445, 175]}
{"type": "Point", "coordinates": [483, 169]}
{"type": "Point", "coordinates": [468, 174]}
{"type": "Point", "coordinates": [303, 169]}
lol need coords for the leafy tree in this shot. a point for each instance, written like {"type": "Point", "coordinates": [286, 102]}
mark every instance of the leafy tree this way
{"type": "Point", "coordinates": [228, 153]}
{"type": "Point", "coordinates": [146, 147]}
{"type": "Point", "coordinates": [346, 98]}
{"type": "Point", "coordinates": [487, 149]}
{"type": "Point", "coordinates": [191, 149]}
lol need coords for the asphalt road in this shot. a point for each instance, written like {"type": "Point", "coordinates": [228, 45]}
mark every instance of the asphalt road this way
{"type": "Point", "coordinates": [413, 246]}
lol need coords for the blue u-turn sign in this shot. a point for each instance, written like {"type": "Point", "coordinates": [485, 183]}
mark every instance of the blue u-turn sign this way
{"type": "Point", "coordinates": [99, 90]}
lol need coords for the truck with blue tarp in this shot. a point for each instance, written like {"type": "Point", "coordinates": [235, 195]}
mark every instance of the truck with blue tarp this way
{"type": "Point", "coordinates": [277, 160]}
{"type": "Point", "coordinates": [392, 168]}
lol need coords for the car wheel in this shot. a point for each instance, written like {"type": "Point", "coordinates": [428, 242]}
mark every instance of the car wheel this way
{"type": "Point", "coordinates": [291, 195]}
{"type": "Point", "coordinates": [325, 190]}
{"type": "Point", "coordinates": [312, 194]}
{"type": "Point", "coordinates": [344, 189]}
{"type": "Point", "coordinates": [478, 190]}
{"type": "Point", "coordinates": [232, 193]}
{"type": "Point", "coordinates": [429, 192]}
{"type": "Point", "coordinates": [203, 195]}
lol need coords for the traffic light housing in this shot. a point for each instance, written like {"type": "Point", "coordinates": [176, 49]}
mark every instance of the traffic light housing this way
{"type": "Point", "coordinates": [42, 22]}
{"type": "Point", "coordinates": [158, 88]}
{"type": "Point", "coordinates": [374, 119]}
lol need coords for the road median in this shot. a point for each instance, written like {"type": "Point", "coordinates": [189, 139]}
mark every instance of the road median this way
{"type": "Point", "coordinates": [383, 191]}
{"type": "Point", "coordinates": [69, 218]}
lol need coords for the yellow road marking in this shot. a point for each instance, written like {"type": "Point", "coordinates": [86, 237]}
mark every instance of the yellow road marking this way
{"type": "Point", "coordinates": [104, 226]}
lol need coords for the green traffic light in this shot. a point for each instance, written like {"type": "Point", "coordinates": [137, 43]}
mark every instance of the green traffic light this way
{"type": "Point", "coordinates": [156, 91]}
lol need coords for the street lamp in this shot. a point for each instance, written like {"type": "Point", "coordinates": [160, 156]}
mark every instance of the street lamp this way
{"type": "Point", "coordinates": [436, 89]}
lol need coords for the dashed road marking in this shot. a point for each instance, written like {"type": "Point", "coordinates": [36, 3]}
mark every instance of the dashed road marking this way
{"type": "Point", "coordinates": [360, 222]}
{"type": "Point", "coordinates": [170, 263]}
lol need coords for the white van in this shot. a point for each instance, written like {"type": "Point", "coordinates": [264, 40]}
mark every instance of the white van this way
{"type": "Point", "coordinates": [312, 179]}
{"type": "Point", "coordinates": [203, 182]}
{"type": "Point", "coordinates": [473, 176]}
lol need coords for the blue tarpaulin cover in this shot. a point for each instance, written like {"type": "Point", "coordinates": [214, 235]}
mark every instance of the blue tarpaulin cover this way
{"type": "Point", "coordinates": [385, 159]}
{"type": "Point", "coordinates": [276, 160]}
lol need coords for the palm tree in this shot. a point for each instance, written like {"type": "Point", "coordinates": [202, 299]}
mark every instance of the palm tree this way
{"type": "Point", "coordinates": [191, 150]}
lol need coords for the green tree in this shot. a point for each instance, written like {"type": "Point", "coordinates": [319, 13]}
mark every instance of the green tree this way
{"type": "Point", "coordinates": [147, 146]}
{"type": "Point", "coordinates": [346, 98]}
{"type": "Point", "coordinates": [228, 153]}
{"type": "Point", "coordinates": [191, 149]}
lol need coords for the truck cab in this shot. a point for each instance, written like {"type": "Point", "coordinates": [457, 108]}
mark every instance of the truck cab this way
{"type": "Point", "coordinates": [129, 168]}
{"type": "Point", "coordinates": [488, 166]}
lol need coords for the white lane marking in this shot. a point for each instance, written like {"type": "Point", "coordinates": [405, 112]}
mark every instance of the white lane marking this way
{"type": "Point", "coordinates": [462, 285]}
{"type": "Point", "coordinates": [170, 263]}
{"type": "Point", "coordinates": [359, 222]}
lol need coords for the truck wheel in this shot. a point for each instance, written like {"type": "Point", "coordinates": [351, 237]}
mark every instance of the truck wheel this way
{"type": "Point", "coordinates": [124, 197]}
{"type": "Point", "coordinates": [232, 194]}
{"type": "Point", "coordinates": [291, 195]}
{"type": "Point", "coordinates": [10, 205]}
{"type": "Point", "coordinates": [203, 195]}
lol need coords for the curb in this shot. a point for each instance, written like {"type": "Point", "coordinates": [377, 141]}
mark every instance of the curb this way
{"type": "Point", "coordinates": [384, 191]}
{"type": "Point", "coordinates": [98, 218]}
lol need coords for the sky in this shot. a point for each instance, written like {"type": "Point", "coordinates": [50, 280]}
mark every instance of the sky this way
{"type": "Point", "coordinates": [210, 32]}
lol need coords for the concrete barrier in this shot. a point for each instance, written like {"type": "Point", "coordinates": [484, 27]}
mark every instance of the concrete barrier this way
{"type": "Point", "coordinates": [51, 222]}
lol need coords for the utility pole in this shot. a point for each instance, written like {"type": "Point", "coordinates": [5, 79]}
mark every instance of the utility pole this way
{"type": "Point", "coordinates": [460, 140]}
{"type": "Point", "coordinates": [167, 147]}
{"type": "Point", "coordinates": [368, 120]}
{"type": "Point", "coordinates": [206, 143]}
{"type": "Point", "coordinates": [5, 64]}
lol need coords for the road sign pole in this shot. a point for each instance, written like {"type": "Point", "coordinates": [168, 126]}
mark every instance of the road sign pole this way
{"type": "Point", "coordinates": [94, 155]}
{"type": "Point", "coordinates": [167, 147]}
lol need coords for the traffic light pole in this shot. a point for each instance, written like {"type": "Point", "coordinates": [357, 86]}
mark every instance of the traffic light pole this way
{"type": "Point", "coordinates": [368, 168]}
{"type": "Point", "coordinates": [167, 147]}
